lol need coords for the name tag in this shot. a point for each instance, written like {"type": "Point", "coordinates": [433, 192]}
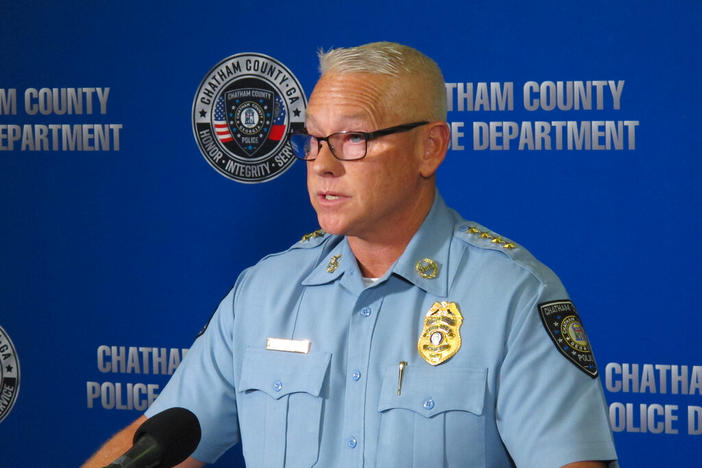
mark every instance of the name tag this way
{"type": "Point", "coordinates": [290, 346]}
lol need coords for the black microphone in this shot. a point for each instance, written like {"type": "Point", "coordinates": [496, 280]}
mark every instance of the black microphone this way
{"type": "Point", "coordinates": [164, 440]}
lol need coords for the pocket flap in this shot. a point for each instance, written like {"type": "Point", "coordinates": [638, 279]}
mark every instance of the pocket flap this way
{"type": "Point", "coordinates": [280, 373]}
{"type": "Point", "coordinates": [431, 391]}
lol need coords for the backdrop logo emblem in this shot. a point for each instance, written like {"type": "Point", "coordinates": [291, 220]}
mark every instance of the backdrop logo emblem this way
{"type": "Point", "coordinates": [244, 110]}
{"type": "Point", "coordinates": [9, 374]}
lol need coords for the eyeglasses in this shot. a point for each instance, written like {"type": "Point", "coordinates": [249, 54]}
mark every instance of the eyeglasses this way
{"type": "Point", "coordinates": [345, 146]}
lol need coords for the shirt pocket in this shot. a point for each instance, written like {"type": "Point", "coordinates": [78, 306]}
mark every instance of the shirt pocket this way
{"type": "Point", "coordinates": [436, 421]}
{"type": "Point", "coordinates": [279, 401]}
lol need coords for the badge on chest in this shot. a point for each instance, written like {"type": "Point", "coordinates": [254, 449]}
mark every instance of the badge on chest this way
{"type": "Point", "coordinates": [440, 338]}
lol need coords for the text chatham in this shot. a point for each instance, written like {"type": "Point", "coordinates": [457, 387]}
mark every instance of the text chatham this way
{"type": "Point", "coordinates": [653, 378]}
{"type": "Point", "coordinates": [261, 67]}
{"type": "Point", "coordinates": [546, 95]}
{"type": "Point", "coordinates": [139, 360]}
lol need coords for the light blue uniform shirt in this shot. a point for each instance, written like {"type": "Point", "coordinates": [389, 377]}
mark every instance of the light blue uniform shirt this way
{"type": "Point", "coordinates": [508, 396]}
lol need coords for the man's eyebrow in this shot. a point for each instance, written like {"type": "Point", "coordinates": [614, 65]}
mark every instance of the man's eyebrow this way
{"type": "Point", "coordinates": [349, 122]}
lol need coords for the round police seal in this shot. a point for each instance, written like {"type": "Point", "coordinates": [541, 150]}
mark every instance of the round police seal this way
{"type": "Point", "coordinates": [9, 374]}
{"type": "Point", "coordinates": [574, 334]}
{"type": "Point", "coordinates": [244, 110]}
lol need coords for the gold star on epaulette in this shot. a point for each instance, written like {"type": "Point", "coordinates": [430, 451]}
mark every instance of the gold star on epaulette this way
{"type": "Point", "coordinates": [495, 239]}
{"type": "Point", "coordinates": [312, 235]}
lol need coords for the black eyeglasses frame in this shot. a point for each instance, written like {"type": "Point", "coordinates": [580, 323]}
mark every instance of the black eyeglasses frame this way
{"type": "Point", "coordinates": [367, 136]}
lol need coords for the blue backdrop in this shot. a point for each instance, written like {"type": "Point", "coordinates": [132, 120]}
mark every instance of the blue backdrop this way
{"type": "Point", "coordinates": [112, 259]}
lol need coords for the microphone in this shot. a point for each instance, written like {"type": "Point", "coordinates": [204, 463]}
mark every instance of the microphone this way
{"type": "Point", "coordinates": [164, 440]}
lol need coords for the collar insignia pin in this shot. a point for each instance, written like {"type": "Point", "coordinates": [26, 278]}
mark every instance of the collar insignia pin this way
{"type": "Point", "coordinates": [427, 268]}
{"type": "Point", "coordinates": [333, 263]}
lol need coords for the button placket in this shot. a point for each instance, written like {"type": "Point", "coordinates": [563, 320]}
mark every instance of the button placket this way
{"type": "Point", "coordinates": [360, 336]}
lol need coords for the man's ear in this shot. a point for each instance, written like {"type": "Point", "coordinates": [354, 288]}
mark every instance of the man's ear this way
{"type": "Point", "coordinates": [436, 140]}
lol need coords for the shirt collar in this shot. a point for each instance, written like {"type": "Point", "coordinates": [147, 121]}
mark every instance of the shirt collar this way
{"type": "Point", "coordinates": [431, 241]}
{"type": "Point", "coordinates": [338, 262]}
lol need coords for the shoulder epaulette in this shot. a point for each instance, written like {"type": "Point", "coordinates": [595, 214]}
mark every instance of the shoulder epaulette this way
{"type": "Point", "coordinates": [311, 239]}
{"type": "Point", "coordinates": [313, 235]}
{"type": "Point", "coordinates": [481, 237]}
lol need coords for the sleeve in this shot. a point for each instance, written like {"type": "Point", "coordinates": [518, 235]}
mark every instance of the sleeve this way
{"type": "Point", "coordinates": [549, 411]}
{"type": "Point", "coordinates": [203, 384]}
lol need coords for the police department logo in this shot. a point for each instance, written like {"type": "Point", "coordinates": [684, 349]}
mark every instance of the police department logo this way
{"type": "Point", "coordinates": [9, 374]}
{"type": "Point", "coordinates": [565, 329]}
{"type": "Point", "coordinates": [243, 112]}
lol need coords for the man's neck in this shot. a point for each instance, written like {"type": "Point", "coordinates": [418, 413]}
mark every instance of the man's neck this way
{"type": "Point", "coordinates": [374, 258]}
{"type": "Point", "coordinates": [376, 254]}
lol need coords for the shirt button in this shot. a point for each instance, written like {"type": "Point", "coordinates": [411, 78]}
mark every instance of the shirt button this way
{"type": "Point", "coordinates": [352, 442]}
{"type": "Point", "coordinates": [356, 375]}
{"type": "Point", "coordinates": [429, 404]}
{"type": "Point", "coordinates": [366, 311]}
{"type": "Point", "coordinates": [277, 385]}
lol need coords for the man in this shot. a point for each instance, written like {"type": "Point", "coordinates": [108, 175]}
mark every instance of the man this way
{"type": "Point", "coordinates": [420, 339]}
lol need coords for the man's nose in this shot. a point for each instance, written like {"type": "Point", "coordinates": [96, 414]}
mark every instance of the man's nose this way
{"type": "Point", "coordinates": [325, 163]}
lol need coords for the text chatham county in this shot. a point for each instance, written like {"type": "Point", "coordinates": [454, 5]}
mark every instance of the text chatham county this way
{"type": "Point", "coordinates": [57, 136]}
{"type": "Point", "coordinates": [565, 97]}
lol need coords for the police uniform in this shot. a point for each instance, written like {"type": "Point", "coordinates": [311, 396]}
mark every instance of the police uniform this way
{"type": "Point", "coordinates": [451, 359]}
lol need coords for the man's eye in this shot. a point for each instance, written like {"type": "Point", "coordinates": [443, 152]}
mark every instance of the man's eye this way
{"type": "Point", "coordinates": [355, 138]}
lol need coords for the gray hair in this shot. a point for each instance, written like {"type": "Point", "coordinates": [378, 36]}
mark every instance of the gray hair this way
{"type": "Point", "coordinates": [391, 59]}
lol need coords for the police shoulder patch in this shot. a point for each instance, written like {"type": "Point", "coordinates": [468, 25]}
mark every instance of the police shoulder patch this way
{"type": "Point", "coordinates": [561, 320]}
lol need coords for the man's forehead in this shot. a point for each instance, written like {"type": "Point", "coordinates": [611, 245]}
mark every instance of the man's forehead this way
{"type": "Point", "coordinates": [349, 117]}
{"type": "Point", "coordinates": [350, 98]}
{"type": "Point", "coordinates": [355, 83]}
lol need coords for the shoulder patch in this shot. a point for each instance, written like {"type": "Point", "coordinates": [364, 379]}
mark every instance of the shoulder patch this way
{"type": "Point", "coordinates": [562, 322]}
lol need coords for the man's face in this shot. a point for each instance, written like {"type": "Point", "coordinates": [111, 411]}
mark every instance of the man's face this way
{"type": "Point", "coordinates": [371, 196]}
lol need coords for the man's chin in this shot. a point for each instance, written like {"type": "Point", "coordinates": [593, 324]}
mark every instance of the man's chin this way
{"type": "Point", "coordinates": [332, 227]}
{"type": "Point", "coordinates": [333, 230]}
